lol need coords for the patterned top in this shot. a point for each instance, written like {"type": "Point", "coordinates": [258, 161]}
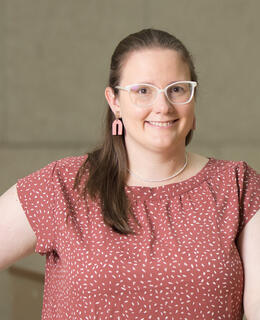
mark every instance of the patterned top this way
{"type": "Point", "coordinates": [182, 264]}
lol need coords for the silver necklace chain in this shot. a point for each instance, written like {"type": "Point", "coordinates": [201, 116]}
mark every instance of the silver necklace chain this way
{"type": "Point", "coordinates": [174, 175]}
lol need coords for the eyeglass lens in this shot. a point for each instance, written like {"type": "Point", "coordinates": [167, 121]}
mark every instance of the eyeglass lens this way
{"type": "Point", "coordinates": [143, 95]}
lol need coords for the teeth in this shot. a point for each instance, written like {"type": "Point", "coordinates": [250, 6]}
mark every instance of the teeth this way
{"type": "Point", "coordinates": [161, 124]}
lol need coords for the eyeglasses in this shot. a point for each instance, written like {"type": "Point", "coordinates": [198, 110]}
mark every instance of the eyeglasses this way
{"type": "Point", "coordinates": [144, 94]}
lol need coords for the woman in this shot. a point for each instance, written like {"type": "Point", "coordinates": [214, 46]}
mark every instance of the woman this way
{"type": "Point", "coordinates": [140, 228]}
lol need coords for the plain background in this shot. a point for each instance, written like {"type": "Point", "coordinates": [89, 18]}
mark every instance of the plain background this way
{"type": "Point", "coordinates": [54, 63]}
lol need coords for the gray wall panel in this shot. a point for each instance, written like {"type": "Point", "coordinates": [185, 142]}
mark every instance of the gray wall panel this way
{"type": "Point", "coordinates": [3, 106]}
{"type": "Point", "coordinates": [58, 66]}
{"type": "Point", "coordinates": [222, 36]}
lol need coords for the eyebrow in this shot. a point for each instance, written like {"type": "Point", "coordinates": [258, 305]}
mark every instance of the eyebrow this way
{"type": "Point", "coordinates": [148, 82]}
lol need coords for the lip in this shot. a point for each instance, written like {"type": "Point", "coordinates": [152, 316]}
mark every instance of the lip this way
{"type": "Point", "coordinates": [161, 121]}
{"type": "Point", "coordinates": [165, 127]}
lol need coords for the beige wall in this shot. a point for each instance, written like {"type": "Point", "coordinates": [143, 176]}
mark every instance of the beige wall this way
{"type": "Point", "coordinates": [54, 61]}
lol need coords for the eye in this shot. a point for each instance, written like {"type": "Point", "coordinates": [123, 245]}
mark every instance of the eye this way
{"type": "Point", "coordinates": [176, 88]}
{"type": "Point", "coordinates": [141, 90]}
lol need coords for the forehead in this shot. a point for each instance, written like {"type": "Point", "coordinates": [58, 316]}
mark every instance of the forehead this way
{"type": "Point", "coordinates": [158, 66]}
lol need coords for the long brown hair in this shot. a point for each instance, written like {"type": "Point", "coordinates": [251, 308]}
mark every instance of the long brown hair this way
{"type": "Point", "coordinates": [107, 165]}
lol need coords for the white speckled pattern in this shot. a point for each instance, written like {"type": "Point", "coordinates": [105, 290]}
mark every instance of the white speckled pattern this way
{"type": "Point", "coordinates": [183, 264]}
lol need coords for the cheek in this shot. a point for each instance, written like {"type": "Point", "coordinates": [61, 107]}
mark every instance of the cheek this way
{"type": "Point", "coordinates": [187, 111]}
{"type": "Point", "coordinates": [133, 116]}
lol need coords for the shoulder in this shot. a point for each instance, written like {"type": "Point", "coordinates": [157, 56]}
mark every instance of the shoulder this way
{"type": "Point", "coordinates": [67, 168]}
{"type": "Point", "coordinates": [212, 165]}
{"type": "Point", "coordinates": [200, 160]}
{"type": "Point", "coordinates": [241, 169]}
{"type": "Point", "coordinates": [70, 164]}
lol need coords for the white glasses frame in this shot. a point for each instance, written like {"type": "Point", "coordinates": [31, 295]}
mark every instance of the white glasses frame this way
{"type": "Point", "coordinates": [128, 88]}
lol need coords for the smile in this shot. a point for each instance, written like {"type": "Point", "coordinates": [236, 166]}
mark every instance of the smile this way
{"type": "Point", "coordinates": [162, 124]}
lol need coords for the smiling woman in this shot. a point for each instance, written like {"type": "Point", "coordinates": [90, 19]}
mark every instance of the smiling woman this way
{"type": "Point", "coordinates": [140, 228]}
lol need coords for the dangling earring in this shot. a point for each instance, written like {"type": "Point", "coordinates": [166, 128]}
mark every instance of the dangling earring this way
{"type": "Point", "coordinates": [194, 123]}
{"type": "Point", "coordinates": [117, 124]}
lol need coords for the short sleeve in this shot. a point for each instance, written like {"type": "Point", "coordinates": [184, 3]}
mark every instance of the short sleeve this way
{"type": "Point", "coordinates": [249, 185]}
{"type": "Point", "coordinates": [36, 195]}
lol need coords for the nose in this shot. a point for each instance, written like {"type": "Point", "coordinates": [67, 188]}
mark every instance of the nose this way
{"type": "Point", "coordinates": [162, 104]}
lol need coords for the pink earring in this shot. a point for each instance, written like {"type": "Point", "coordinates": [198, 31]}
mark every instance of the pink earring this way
{"type": "Point", "coordinates": [194, 123]}
{"type": "Point", "coordinates": [117, 126]}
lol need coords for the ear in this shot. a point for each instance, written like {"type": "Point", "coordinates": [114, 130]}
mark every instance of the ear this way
{"type": "Point", "coordinates": [112, 100]}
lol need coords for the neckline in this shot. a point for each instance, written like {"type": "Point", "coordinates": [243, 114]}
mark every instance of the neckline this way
{"type": "Point", "coordinates": [175, 183]}
{"type": "Point", "coordinates": [173, 187]}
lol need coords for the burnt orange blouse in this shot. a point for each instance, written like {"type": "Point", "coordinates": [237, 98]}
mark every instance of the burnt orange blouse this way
{"type": "Point", "coordinates": [182, 264]}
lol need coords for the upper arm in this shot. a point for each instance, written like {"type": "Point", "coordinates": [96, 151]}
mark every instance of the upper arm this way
{"type": "Point", "coordinates": [249, 248]}
{"type": "Point", "coordinates": [17, 238]}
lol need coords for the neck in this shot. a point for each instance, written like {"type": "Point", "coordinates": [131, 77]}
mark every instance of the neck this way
{"type": "Point", "coordinates": [152, 165]}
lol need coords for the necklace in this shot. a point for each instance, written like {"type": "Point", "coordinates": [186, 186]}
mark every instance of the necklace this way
{"type": "Point", "coordinates": [174, 175]}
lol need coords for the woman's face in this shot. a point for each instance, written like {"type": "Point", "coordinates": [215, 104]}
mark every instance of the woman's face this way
{"type": "Point", "coordinates": [159, 67]}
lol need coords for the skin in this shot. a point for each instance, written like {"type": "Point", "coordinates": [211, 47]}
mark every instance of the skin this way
{"type": "Point", "coordinates": [163, 147]}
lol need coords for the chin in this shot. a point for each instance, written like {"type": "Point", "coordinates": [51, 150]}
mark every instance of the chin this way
{"type": "Point", "coordinates": [162, 143]}
{"type": "Point", "coordinates": [160, 147]}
